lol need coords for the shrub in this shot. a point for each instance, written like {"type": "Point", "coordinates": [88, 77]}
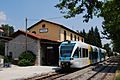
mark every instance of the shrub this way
{"type": "Point", "coordinates": [24, 62]}
{"type": "Point", "coordinates": [27, 59]}
{"type": "Point", "coordinates": [7, 59]}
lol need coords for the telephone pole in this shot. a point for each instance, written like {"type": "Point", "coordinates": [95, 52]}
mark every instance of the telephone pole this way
{"type": "Point", "coordinates": [26, 35]}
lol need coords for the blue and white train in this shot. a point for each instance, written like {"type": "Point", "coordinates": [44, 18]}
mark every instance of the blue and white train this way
{"type": "Point", "coordinates": [76, 54]}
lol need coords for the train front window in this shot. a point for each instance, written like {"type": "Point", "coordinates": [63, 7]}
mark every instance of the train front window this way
{"type": "Point", "coordinates": [66, 49]}
{"type": "Point", "coordinates": [76, 53]}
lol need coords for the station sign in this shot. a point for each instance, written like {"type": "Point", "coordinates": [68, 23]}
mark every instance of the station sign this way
{"type": "Point", "coordinates": [43, 30]}
{"type": "Point", "coordinates": [50, 47]}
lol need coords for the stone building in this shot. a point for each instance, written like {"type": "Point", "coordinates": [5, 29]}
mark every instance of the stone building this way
{"type": "Point", "coordinates": [43, 39]}
{"type": "Point", "coordinates": [44, 48]}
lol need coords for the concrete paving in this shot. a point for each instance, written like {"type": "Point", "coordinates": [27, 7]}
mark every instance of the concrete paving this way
{"type": "Point", "coordinates": [15, 72]}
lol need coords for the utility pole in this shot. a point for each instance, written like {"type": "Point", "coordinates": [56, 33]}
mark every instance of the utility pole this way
{"type": "Point", "coordinates": [8, 32]}
{"type": "Point", "coordinates": [26, 35]}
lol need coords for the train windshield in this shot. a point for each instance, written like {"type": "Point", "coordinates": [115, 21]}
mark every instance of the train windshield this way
{"type": "Point", "coordinates": [66, 49]}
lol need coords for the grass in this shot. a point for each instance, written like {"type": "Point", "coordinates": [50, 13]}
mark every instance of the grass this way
{"type": "Point", "coordinates": [118, 74]}
{"type": "Point", "coordinates": [1, 57]}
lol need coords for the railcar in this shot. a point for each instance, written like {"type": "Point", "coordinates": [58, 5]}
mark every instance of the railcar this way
{"type": "Point", "coordinates": [77, 54]}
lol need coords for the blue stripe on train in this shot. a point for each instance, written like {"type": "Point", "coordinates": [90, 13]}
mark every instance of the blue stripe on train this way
{"type": "Point", "coordinates": [64, 58]}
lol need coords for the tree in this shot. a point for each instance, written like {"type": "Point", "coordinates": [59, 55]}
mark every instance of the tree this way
{"type": "Point", "coordinates": [71, 8]}
{"type": "Point", "coordinates": [84, 35]}
{"type": "Point", "coordinates": [108, 49]}
{"type": "Point", "coordinates": [109, 10]}
{"type": "Point", "coordinates": [92, 37]}
{"type": "Point", "coordinates": [98, 38]}
{"type": "Point", "coordinates": [111, 25]}
{"type": "Point", "coordinates": [8, 30]}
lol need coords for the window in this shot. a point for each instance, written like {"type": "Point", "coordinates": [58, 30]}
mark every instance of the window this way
{"type": "Point", "coordinates": [71, 36]}
{"type": "Point", "coordinates": [76, 54]}
{"type": "Point", "coordinates": [43, 26]}
{"type": "Point", "coordinates": [75, 37]}
{"type": "Point", "coordinates": [66, 49]}
{"type": "Point", "coordinates": [80, 53]}
{"type": "Point", "coordinates": [78, 38]}
{"type": "Point", "coordinates": [43, 29]}
{"type": "Point", "coordinates": [64, 35]}
{"type": "Point", "coordinates": [34, 32]}
{"type": "Point", "coordinates": [82, 40]}
{"type": "Point", "coordinates": [85, 52]}
{"type": "Point", "coordinates": [10, 55]}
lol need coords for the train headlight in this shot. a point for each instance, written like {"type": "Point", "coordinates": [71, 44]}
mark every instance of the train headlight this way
{"type": "Point", "coordinates": [71, 58]}
{"type": "Point", "coordinates": [62, 63]}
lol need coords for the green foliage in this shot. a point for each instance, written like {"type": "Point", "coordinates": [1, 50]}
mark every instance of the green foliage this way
{"type": "Point", "coordinates": [108, 49]}
{"type": "Point", "coordinates": [111, 25]}
{"type": "Point", "coordinates": [7, 59]}
{"type": "Point", "coordinates": [2, 48]}
{"type": "Point", "coordinates": [27, 59]}
{"type": "Point", "coordinates": [8, 30]}
{"type": "Point", "coordinates": [92, 37]}
{"type": "Point", "coordinates": [24, 62]}
{"type": "Point", "coordinates": [117, 78]}
{"type": "Point", "coordinates": [71, 8]}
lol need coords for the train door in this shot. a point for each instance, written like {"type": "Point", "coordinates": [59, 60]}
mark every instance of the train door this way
{"type": "Point", "coordinates": [76, 58]}
{"type": "Point", "coordinates": [49, 55]}
{"type": "Point", "coordinates": [94, 55]}
{"type": "Point", "coordinates": [85, 58]}
{"type": "Point", "coordinates": [100, 55]}
{"type": "Point", "coordinates": [52, 56]}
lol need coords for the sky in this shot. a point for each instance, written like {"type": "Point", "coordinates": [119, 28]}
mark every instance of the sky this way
{"type": "Point", "coordinates": [14, 12]}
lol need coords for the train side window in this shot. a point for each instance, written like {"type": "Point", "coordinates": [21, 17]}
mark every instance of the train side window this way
{"type": "Point", "coordinates": [76, 54]}
{"type": "Point", "coordinates": [86, 51]}
{"type": "Point", "coordinates": [83, 51]}
{"type": "Point", "coordinates": [80, 53]}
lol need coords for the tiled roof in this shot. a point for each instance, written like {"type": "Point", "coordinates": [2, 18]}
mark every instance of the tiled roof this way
{"type": "Point", "coordinates": [32, 35]}
{"type": "Point", "coordinates": [4, 38]}
{"type": "Point", "coordinates": [62, 26]}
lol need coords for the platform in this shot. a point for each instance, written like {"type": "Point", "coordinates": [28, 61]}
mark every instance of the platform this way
{"type": "Point", "coordinates": [16, 72]}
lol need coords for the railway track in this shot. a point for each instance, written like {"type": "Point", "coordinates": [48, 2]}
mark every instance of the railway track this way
{"type": "Point", "coordinates": [53, 75]}
{"type": "Point", "coordinates": [82, 73]}
{"type": "Point", "coordinates": [102, 74]}
{"type": "Point", "coordinates": [109, 72]}
{"type": "Point", "coordinates": [102, 71]}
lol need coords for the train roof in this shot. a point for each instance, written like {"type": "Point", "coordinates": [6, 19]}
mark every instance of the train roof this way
{"type": "Point", "coordinates": [82, 44]}
{"type": "Point", "coordinates": [85, 45]}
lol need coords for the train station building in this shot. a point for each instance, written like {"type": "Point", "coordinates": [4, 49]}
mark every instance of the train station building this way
{"type": "Point", "coordinates": [43, 39]}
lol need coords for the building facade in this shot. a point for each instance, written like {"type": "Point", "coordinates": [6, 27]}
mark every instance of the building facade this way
{"type": "Point", "coordinates": [43, 39]}
{"type": "Point", "coordinates": [45, 49]}
{"type": "Point", "coordinates": [55, 31]}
